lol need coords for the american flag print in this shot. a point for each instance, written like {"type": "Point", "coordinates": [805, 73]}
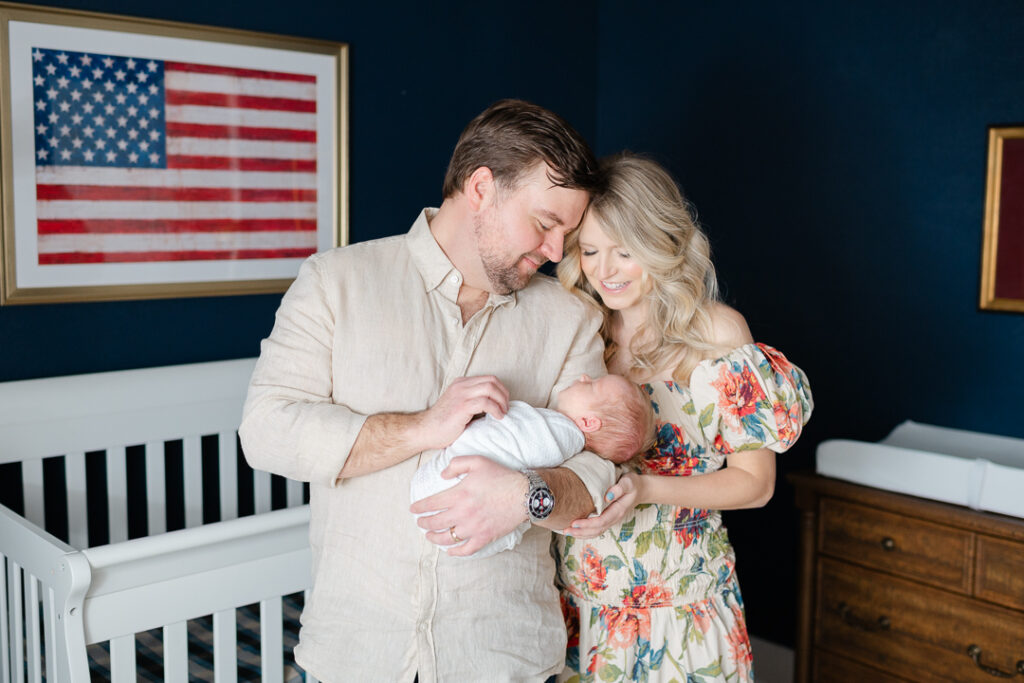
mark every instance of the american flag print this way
{"type": "Point", "coordinates": [145, 160]}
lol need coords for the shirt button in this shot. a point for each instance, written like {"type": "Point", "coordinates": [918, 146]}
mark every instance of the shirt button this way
{"type": "Point", "coordinates": [454, 279]}
{"type": "Point", "coordinates": [421, 627]}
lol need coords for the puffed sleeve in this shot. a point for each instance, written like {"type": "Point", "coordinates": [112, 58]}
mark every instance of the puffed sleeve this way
{"type": "Point", "coordinates": [750, 398]}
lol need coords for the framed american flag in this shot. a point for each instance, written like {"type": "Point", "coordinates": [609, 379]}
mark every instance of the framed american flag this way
{"type": "Point", "coordinates": [149, 159]}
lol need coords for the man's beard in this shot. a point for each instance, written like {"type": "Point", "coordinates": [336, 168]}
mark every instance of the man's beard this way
{"type": "Point", "coordinates": [505, 278]}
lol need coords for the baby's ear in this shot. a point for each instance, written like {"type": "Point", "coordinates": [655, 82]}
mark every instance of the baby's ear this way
{"type": "Point", "coordinates": [588, 423]}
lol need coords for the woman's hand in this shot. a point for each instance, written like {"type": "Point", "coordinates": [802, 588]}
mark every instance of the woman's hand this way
{"type": "Point", "coordinates": [624, 496]}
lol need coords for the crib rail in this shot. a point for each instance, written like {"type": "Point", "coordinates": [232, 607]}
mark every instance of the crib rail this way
{"type": "Point", "coordinates": [45, 582]}
{"type": "Point", "coordinates": [127, 428]}
{"type": "Point", "coordinates": [120, 451]}
{"type": "Point", "coordinates": [191, 573]}
{"type": "Point", "coordinates": [58, 600]}
{"type": "Point", "coordinates": [195, 572]}
{"type": "Point", "coordinates": [90, 412]}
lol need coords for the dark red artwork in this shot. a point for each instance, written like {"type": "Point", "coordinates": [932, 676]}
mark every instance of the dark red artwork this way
{"type": "Point", "coordinates": [1009, 261]}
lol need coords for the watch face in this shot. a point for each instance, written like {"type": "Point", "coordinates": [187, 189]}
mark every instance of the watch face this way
{"type": "Point", "coordinates": [541, 503]}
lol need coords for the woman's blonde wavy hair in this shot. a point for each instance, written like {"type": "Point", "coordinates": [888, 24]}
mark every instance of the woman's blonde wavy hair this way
{"type": "Point", "coordinates": [644, 212]}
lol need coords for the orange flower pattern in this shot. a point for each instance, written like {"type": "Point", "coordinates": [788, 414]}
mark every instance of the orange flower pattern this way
{"type": "Point", "coordinates": [591, 572]}
{"type": "Point", "coordinates": [739, 393]}
{"type": "Point", "coordinates": [656, 598]}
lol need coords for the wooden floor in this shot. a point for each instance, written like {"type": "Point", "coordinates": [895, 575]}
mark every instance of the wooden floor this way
{"type": "Point", "coordinates": [772, 663]}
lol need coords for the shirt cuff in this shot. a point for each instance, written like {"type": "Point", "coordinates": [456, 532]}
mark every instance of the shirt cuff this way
{"type": "Point", "coordinates": [327, 445]}
{"type": "Point", "coordinates": [596, 473]}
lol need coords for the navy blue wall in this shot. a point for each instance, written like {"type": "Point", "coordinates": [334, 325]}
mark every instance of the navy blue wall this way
{"type": "Point", "coordinates": [836, 154]}
{"type": "Point", "coordinates": [418, 73]}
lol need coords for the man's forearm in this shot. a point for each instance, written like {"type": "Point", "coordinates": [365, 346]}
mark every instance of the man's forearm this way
{"type": "Point", "coordinates": [385, 439]}
{"type": "Point", "coordinates": [572, 500]}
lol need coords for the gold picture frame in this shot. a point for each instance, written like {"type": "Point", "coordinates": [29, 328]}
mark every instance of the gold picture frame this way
{"type": "Point", "coordinates": [1002, 254]}
{"type": "Point", "coordinates": [227, 161]}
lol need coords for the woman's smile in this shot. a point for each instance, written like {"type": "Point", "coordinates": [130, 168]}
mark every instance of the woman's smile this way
{"type": "Point", "coordinates": [614, 287]}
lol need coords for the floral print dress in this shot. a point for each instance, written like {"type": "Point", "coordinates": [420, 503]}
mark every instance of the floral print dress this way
{"type": "Point", "coordinates": [656, 598]}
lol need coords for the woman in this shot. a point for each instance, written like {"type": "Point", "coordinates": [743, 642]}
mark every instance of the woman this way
{"type": "Point", "coordinates": [649, 586]}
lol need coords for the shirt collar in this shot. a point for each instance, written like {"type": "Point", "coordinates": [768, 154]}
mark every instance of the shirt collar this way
{"type": "Point", "coordinates": [433, 265]}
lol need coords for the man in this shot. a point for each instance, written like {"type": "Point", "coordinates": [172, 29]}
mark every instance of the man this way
{"type": "Point", "coordinates": [381, 353]}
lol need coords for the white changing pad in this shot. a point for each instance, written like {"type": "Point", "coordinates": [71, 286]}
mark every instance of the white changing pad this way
{"type": "Point", "coordinates": [981, 471]}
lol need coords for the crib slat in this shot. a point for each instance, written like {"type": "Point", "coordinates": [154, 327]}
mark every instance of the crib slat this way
{"type": "Point", "coordinates": [176, 653]}
{"type": "Point", "coordinates": [78, 519]}
{"type": "Point", "coordinates": [32, 489]}
{"type": "Point", "coordinates": [122, 659]}
{"type": "Point", "coordinates": [17, 625]}
{"type": "Point", "coordinates": [228, 461]}
{"type": "Point", "coordinates": [33, 651]}
{"type": "Point", "coordinates": [261, 491]}
{"type": "Point", "coordinates": [310, 678]}
{"type": "Point", "coordinates": [293, 492]}
{"type": "Point", "coordinates": [5, 643]}
{"type": "Point", "coordinates": [225, 647]}
{"type": "Point", "coordinates": [117, 494]}
{"type": "Point", "coordinates": [192, 452]}
{"type": "Point", "coordinates": [271, 641]}
{"type": "Point", "coordinates": [50, 645]}
{"type": "Point", "coordinates": [156, 489]}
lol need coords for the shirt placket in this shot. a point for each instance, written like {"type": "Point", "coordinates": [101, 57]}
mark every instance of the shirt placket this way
{"type": "Point", "coordinates": [463, 342]}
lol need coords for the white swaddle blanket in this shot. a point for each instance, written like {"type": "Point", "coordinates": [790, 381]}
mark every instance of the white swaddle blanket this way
{"type": "Point", "coordinates": [526, 437]}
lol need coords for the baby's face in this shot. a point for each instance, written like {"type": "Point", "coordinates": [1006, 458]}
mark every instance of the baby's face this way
{"type": "Point", "coordinates": [582, 398]}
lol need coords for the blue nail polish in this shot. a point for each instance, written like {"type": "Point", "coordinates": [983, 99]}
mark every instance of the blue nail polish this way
{"type": "Point", "coordinates": [609, 496]}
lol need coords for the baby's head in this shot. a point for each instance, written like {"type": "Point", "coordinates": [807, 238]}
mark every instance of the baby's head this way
{"type": "Point", "coordinates": [615, 416]}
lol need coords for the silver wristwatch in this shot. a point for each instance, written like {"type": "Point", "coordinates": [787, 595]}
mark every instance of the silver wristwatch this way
{"type": "Point", "coordinates": [539, 499]}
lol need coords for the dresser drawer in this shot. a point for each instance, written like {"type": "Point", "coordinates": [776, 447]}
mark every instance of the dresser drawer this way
{"type": "Point", "coordinates": [831, 668]}
{"type": "Point", "coordinates": [901, 545]}
{"type": "Point", "coordinates": [913, 631]}
{"type": "Point", "coordinates": [1000, 572]}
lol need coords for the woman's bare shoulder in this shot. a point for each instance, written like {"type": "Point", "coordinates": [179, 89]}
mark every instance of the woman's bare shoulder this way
{"type": "Point", "coordinates": [728, 327]}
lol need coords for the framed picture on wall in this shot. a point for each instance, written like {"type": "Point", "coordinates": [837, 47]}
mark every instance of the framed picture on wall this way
{"type": "Point", "coordinates": [149, 159]}
{"type": "Point", "coordinates": [1002, 255]}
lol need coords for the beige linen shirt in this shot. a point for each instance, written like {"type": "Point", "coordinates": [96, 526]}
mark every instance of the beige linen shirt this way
{"type": "Point", "coordinates": [375, 327]}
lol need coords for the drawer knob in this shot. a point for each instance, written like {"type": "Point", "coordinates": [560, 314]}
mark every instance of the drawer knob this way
{"type": "Point", "coordinates": [888, 543]}
{"type": "Point", "coordinates": [974, 652]}
{"type": "Point", "coordinates": [847, 615]}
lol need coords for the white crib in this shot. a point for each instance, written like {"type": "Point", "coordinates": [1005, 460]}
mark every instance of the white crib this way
{"type": "Point", "coordinates": [57, 598]}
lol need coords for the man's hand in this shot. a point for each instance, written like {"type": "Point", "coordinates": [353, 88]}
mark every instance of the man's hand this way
{"type": "Point", "coordinates": [487, 504]}
{"type": "Point", "coordinates": [464, 398]}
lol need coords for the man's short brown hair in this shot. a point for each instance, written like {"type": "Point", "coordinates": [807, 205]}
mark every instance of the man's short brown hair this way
{"type": "Point", "coordinates": [511, 137]}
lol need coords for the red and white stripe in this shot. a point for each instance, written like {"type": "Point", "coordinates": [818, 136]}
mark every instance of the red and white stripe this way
{"type": "Point", "coordinates": [240, 181]}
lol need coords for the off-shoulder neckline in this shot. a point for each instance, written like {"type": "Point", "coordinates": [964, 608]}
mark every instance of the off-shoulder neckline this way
{"type": "Point", "coordinates": [706, 361]}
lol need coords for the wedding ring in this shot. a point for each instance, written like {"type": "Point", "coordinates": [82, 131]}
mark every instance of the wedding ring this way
{"type": "Point", "coordinates": [455, 537]}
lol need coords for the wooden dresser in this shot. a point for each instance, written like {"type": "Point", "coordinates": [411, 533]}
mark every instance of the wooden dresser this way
{"type": "Point", "coordinates": [897, 588]}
